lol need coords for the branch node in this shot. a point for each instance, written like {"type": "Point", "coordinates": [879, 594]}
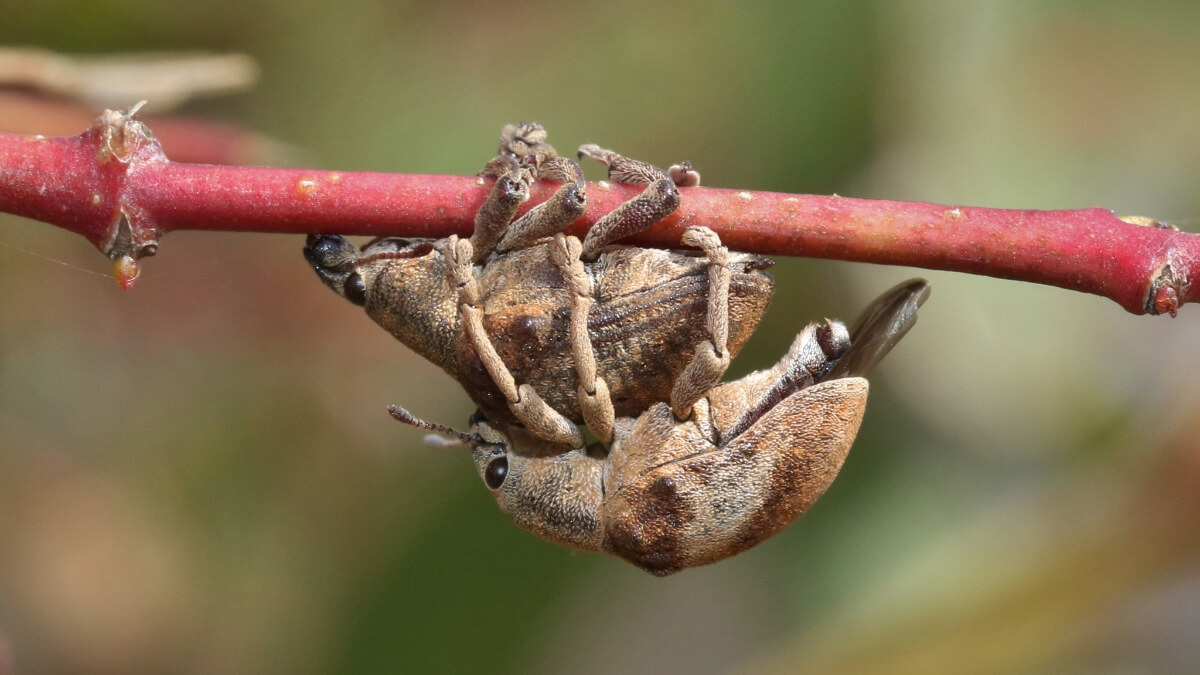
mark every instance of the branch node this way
{"type": "Point", "coordinates": [133, 236]}
{"type": "Point", "coordinates": [122, 135]}
{"type": "Point", "coordinates": [123, 146]}
{"type": "Point", "coordinates": [1163, 295]}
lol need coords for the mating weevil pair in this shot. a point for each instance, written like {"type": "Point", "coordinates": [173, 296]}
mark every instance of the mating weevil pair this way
{"type": "Point", "coordinates": [546, 332]}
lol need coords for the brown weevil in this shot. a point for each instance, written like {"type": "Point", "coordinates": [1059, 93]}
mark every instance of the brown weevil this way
{"type": "Point", "coordinates": [545, 331]}
{"type": "Point", "coordinates": [750, 459]}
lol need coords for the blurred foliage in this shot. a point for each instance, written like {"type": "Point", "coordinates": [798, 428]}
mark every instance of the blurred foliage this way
{"type": "Point", "coordinates": [199, 475]}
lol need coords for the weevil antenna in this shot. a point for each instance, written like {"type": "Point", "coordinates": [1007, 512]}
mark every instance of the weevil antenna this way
{"type": "Point", "coordinates": [408, 418]}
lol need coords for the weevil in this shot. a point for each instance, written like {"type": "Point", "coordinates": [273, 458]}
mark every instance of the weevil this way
{"type": "Point", "coordinates": [545, 331]}
{"type": "Point", "coordinates": [670, 494]}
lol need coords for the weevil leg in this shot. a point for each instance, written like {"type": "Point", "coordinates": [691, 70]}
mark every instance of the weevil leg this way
{"type": "Point", "coordinates": [541, 420]}
{"type": "Point", "coordinates": [592, 393]}
{"type": "Point", "coordinates": [711, 359]}
{"type": "Point", "coordinates": [524, 142]}
{"type": "Point", "coordinates": [523, 157]}
{"type": "Point", "coordinates": [525, 139]}
{"type": "Point", "coordinates": [510, 190]}
{"type": "Point", "coordinates": [554, 214]}
{"type": "Point", "coordinates": [657, 201]}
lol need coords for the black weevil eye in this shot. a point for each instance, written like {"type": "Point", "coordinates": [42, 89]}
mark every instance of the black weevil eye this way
{"type": "Point", "coordinates": [496, 471]}
{"type": "Point", "coordinates": [354, 289]}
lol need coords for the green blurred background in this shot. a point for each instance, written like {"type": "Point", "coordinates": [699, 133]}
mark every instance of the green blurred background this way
{"type": "Point", "coordinates": [199, 476]}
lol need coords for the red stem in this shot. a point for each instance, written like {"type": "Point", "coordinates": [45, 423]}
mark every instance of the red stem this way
{"type": "Point", "coordinates": [114, 185]}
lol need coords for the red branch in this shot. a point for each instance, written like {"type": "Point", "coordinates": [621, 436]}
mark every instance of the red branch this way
{"type": "Point", "coordinates": [114, 185]}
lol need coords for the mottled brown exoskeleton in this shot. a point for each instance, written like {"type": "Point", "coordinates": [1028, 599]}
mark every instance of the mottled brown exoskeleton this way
{"type": "Point", "coordinates": [753, 456]}
{"type": "Point", "coordinates": [545, 331]}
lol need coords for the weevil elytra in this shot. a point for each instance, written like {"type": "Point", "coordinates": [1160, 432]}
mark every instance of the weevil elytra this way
{"type": "Point", "coordinates": [750, 459]}
{"type": "Point", "coordinates": [544, 331]}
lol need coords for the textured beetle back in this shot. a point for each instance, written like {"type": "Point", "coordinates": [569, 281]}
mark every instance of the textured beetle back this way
{"type": "Point", "coordinates": [696, 508]}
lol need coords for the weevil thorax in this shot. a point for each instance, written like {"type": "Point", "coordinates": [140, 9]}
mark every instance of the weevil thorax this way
{"type": "Point", "coordinates": [408, 296]}
{"type": "Point", "coordinates": [557, 497]}
{"type": "Point", "coordinates": [654, 492]}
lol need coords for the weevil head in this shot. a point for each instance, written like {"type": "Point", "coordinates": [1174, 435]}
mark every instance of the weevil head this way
{"type": "Point", "coordinates": [355, 274]}
{"type": "Point", "coordinates": [401, 284]}
{"type": "Point", "coordinates": [556, 495]}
